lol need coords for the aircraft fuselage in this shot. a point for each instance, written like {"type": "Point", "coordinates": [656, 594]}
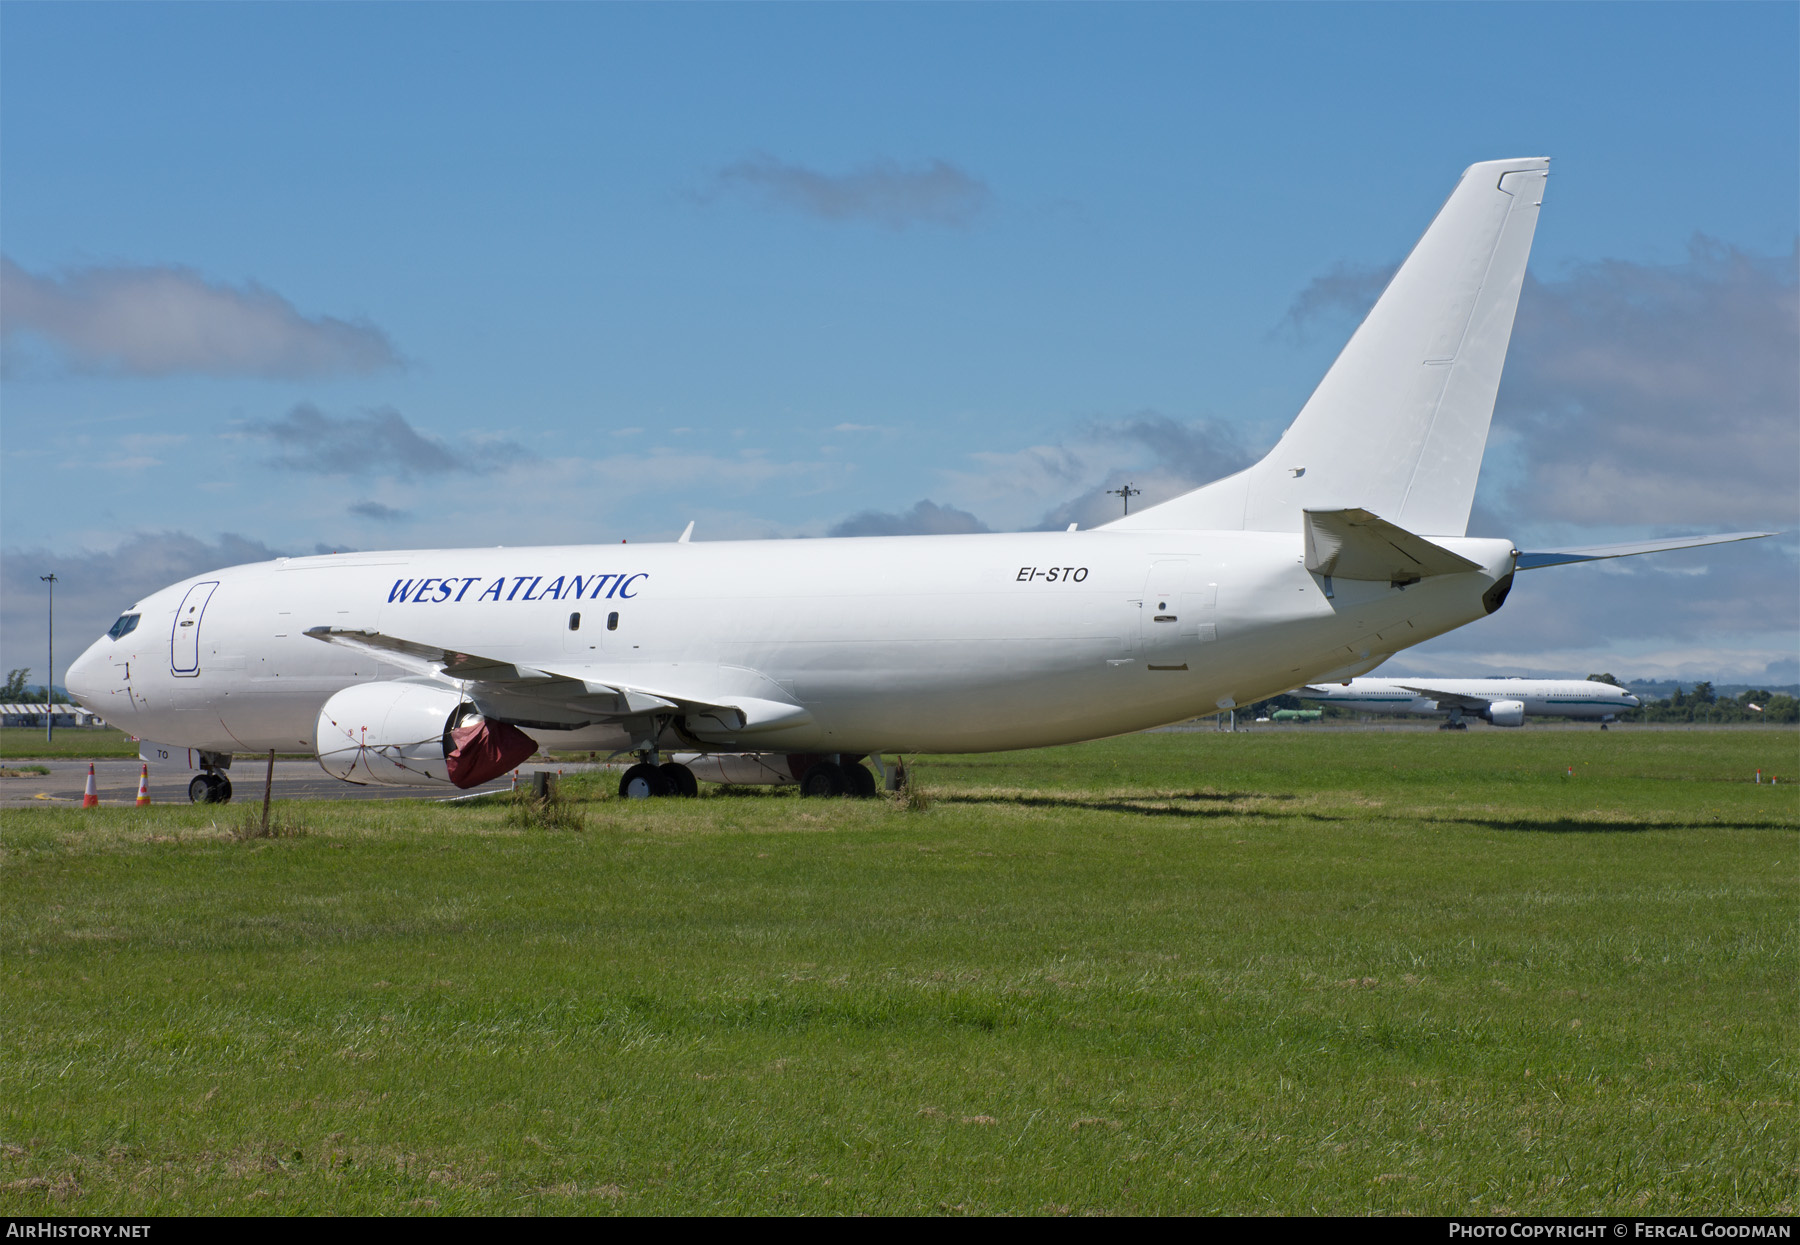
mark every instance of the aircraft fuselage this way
{"type": "Point", "coordinates": [937, 643]}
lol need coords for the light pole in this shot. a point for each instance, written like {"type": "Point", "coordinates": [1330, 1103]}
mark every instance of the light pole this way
{"type": "Point", "coordinates": [50, 676]}
{"type": "Point", "coordinates": [1126, 493]}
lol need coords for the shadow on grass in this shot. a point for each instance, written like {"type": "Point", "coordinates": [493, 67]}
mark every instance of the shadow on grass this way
{"type": "Point", "coordinates": [1571, 825]}
{"type": "Point", "coordinates": [1143, 806]}
{"type": "Point", "coordinates": [1196, 804]}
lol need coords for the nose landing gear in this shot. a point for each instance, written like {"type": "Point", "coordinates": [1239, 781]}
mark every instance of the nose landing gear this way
{"type": "Point", "coordinates": [211, 785]}
{"type": "Point", "coordinates": [210, 788]}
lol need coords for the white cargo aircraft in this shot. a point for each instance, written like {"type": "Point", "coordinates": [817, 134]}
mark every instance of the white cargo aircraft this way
{"type": "Point", "coordinates": [1502, 702]}
{"type": "Point", "coordinates": [791, 661]}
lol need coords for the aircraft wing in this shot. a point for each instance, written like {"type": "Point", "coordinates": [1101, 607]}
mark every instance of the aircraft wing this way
{"type": "Point", "coordinates": [1557, 557]}
{"type": "Point", "coordinates": [570, 694]}
{"type": "Point", "coordinates": [1452, 700]}
{"type": "Point", "coordinates": [426, 659]}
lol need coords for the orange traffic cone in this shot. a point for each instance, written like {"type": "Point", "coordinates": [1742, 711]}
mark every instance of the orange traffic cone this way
{"type": "Point", "coordinates": [90, 798]}
{"type": "Point", "coordinates": [144, 788]}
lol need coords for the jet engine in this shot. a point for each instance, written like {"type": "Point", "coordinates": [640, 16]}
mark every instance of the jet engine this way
{"type": "Point", "coordinates": [395, 734]}
{"type": "Point", "coordinates": [1505, 713]}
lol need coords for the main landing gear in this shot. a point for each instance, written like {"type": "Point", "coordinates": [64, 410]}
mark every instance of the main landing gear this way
{"type": "Point", "coordinates": [823, 778]}
{"type": "Point", "coordinates": [829, 778]}
{"type": "Point", "coordinates": [646, 780]}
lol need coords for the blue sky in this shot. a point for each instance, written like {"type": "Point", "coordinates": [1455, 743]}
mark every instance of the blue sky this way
{"type": "Point", "coordinates": [282, 277]}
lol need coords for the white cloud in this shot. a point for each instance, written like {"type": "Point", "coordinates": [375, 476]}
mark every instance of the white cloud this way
{"type": "Point", "coordinates": [130, 453]}
{"type": "Point", "coordinates": [150, 320]}
{"type": "Point", "coordinates": [373, 443]}
{"type": "Point", "coordinates": [1345, 292]}
{"type": "Point", "coordinates": [1014, 487]}
{"type": "Point", "coordinates": [664, 473]}
{"type": "Point", "coordinates": [926, 518]}
{"type": "Point", "coordinates": [935, 192]}
{"type": "Point", "coordinates": [1657, 394]}
{"type": "Point", "coordinates": [378, 512]}
{"type": "Point", "coordinates": [1051, 486]}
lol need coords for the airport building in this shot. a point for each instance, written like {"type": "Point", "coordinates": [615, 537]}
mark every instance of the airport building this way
{"type": "Point", "coordinates": [33, 715]}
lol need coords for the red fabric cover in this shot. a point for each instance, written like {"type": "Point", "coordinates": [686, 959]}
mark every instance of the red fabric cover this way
{"type": "Point", "coordinates": [486, 750]}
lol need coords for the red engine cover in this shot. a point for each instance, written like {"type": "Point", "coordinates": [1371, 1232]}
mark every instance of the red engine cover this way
{"type": "Point", "coordinates": [486, 750]}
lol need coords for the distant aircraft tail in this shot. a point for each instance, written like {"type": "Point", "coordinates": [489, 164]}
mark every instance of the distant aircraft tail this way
{"type": "Point", "coordinates": [1399, 423]}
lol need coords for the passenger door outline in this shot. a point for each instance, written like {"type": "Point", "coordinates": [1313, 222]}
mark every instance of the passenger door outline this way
{"type": "Point", "coordinates": [184, 636]}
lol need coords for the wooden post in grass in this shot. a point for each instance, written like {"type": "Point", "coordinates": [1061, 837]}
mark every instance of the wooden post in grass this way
{"type": "Point", "coordinates": [268, 789]}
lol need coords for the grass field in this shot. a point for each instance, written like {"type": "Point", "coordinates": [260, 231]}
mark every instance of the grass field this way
{"type": "Point", "coordinates": [1171, 973]}
{"type": "Point", "coordinates": [84, 742]}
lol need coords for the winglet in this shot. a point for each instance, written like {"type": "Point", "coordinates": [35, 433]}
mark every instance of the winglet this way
{"type": "Point", "coordinates": [687, 536]}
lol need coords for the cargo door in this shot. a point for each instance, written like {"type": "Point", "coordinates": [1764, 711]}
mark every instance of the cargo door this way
{"type": "Point", "coordinates": [184, 639]}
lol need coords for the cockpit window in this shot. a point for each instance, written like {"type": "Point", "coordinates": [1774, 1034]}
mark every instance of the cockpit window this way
{"type": "Point", "coordinates": [125, 626]}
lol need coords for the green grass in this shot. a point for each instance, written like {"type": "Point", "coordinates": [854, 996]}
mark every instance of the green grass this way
{"type": "Point", "coordinates": [1170, 973]}
{"type": "Point", "coordinates": [95, 742]}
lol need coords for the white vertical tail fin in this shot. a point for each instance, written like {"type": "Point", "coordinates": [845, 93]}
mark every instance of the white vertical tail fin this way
{"type": "Point", "coordinates": [1400, 421]}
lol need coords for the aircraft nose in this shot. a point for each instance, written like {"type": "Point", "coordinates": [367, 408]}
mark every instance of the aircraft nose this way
{"type": "Point", "coordinates": [85, 677]}
{"type": "Point", "coordinates": [1631, 700]}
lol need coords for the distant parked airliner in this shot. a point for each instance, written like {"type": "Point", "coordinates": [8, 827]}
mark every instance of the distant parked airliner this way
{"type": "Point", "coordinates": [1503, 702]}
{"type": "Point", "coordinates": [794, 660]}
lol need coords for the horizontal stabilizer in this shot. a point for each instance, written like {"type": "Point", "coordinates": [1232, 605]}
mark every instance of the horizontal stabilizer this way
{"type": "Point", "coordinates": [1354, 544]}
{"type": "Point", "coordinates": [1594, 553]}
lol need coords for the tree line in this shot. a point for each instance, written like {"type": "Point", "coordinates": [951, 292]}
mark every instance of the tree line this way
{"type": "Point", "coordinates": [1703, 704]}
{"type": "Point", "coordinates": [16, 693]}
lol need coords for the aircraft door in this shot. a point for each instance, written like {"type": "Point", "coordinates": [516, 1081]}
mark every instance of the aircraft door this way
{"type": "Point", "coordinates": [184, 637]}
